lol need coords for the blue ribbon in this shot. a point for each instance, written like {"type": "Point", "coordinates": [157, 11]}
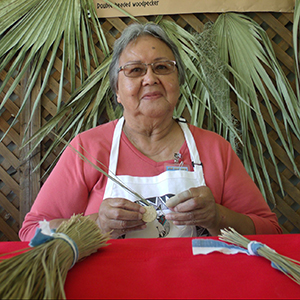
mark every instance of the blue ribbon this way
{"type": "Point", "coordinates": [41, 238]}
{"type": "Point", "coordinates": [253, 248]}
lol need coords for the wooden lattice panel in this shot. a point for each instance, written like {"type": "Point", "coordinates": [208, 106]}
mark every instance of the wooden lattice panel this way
{"type": "Point", "coordinates": [9, 164]}
{"type": "Point", "coordinates": [14, 184]}
{"type": "Point", "coordinates": [278, 27]}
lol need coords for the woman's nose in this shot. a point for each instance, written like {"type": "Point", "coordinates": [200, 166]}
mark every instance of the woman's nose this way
{"type": "Point", "coordinates": [150, 77]}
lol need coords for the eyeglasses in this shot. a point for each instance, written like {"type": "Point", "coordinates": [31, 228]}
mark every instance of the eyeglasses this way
{"type": "Point", "coordinates": [140, 69]}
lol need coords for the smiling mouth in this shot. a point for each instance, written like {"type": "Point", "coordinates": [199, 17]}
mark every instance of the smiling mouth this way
{"type": "Point", "coordinates": [151, 96]}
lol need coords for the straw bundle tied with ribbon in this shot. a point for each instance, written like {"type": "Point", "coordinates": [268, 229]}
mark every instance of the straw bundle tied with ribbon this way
{"type": "Point", "coordinates": [40, 272]}
{"type": "Point", "coordinates": [288, 266]}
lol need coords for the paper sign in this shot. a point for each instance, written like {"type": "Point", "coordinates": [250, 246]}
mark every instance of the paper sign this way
{"type": "Point", "coordinates": [169, 7]}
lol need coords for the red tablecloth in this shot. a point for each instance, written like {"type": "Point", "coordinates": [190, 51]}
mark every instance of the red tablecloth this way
{"type": "Point", "coordinates": [166, 268]}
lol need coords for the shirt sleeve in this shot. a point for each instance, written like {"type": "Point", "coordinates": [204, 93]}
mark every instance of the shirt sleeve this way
{"type": "Point", "coordinates": [242, 195]}
{"type": "Point", "coordinates": [64, 193]}
{"type": "Point", "coordinates": [230, 183]}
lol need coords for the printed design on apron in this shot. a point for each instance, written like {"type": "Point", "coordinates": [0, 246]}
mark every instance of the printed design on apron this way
{"type": "Point", "coordinates": [157, 189]}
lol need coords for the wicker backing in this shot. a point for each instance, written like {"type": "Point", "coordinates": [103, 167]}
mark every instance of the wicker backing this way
{"type": "Point", "coordinates": [18, 186]}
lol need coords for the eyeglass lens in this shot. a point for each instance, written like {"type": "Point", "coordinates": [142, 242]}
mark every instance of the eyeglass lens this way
{"type": "Point", "coordinates": [140, 69]}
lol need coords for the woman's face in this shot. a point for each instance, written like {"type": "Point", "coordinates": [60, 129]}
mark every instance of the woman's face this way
{"type": "Point", "coordinates": [150, 95]}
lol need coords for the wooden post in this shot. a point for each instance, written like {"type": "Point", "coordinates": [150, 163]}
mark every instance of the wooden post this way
{"type": "Point", "coordinates": [29, 181]}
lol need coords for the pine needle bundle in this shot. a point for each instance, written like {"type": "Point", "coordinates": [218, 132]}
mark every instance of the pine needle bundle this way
{"type": "Point", "coordinates": [40, 272]}
{"type": "Point", "coordinates": [288, 266]}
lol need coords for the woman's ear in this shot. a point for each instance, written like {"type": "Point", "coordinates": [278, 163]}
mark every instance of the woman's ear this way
{"type": "Point", "coordinates": [118, 98]}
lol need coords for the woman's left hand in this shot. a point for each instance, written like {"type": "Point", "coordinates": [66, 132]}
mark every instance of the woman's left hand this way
{"type": "Point", "coordinates": [195, 206]}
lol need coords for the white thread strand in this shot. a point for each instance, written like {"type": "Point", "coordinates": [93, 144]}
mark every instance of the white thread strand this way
{"type": "Point", "coordinates": [72, 244]}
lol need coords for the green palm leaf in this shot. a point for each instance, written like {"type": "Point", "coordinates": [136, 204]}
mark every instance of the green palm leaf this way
{"type": "Point", "coordinates": [35, 29]}
{"type": "Point", "coordinates": [248, 50]}
{"type": "Point", "coordinates": [296, 34]}
{"type": "Point", "coordinates": [199, 85]}
{"type": "Point", "coordinates": [81, 112]}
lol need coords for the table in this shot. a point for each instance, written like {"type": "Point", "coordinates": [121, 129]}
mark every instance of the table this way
{"type": "Point", "coordinates": [166, 268]}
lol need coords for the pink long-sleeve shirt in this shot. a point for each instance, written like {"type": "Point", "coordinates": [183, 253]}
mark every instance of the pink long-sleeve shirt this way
{"type": "Point", "coordinates": [74, 186]}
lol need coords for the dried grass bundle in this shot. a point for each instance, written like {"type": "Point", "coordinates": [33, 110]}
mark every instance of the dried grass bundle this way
{"type": "Point", "coordinates": [288, 266]}
{"type": "Point", "coordinates": [40, 273]}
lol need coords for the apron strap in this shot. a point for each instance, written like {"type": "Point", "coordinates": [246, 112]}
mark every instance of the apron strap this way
{"type": "Point", "coordinates": [190, 143]}
{"type": "Point", "coordinates": [114, 152]}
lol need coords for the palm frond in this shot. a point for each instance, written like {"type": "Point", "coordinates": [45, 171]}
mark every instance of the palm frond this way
{"type": "Point", "coordinates": [199, 85]}
{"type": "Point", "coordinates": [35, 29]}
{"type": "Point", "coordinates": [10, 12]}
{"type": "Point", "coordinates": [296, 46]}
{"type": "Point", "coordinates": [249, 52]}
{"type": "Point", "coordinates": [81, 112]}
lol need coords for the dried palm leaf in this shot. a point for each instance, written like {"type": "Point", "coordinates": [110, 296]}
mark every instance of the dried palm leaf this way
{"type": "Point", "coordinates": [81, 112]}
{"type": "Point", "coordinates": [32, 32]}
{"type": "Point", "coordinates": [203, 90]}
{"type": "Point", "coordinates": [248, 50]}
{"type": "Point", "coordinates": [296, 44]}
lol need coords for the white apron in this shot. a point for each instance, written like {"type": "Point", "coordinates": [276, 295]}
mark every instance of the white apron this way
{"type": "Point", "coordinates": [157, 189]}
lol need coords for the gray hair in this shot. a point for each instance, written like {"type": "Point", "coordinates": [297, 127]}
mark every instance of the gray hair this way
{"type": "Point", "coordinates": [131, 33]}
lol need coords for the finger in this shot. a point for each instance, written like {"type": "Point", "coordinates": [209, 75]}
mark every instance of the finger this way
{"type": "Point", "coordinates": [189, 205]}
{"type": "Point", "coordinates": [123, 214]}
{"type": "Point", "coordinates": [119, 225]}
{"type": "Point", "coordinates": [181, 197]}
{"type": "Point", "coordinates": [126, 204]}
{"type": "Point", "coordinates": [201, 199]}
{"type": "Point", "coordinates": [125, 225]}
{"type": "Point", "coordinates": [186, 219]}
{"type": "Point", "coordinates": [181, 217]}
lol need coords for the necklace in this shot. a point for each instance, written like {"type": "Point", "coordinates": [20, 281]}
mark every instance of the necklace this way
{"type": "Point", "coordinates": [164, 150]}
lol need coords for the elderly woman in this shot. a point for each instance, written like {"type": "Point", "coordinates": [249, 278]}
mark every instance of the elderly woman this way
{"type": "Point", "coordinates": [191, 176]}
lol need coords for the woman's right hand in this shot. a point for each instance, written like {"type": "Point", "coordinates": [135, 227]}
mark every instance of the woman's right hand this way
{"type": "Point", "coordinates": [118, 216]}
